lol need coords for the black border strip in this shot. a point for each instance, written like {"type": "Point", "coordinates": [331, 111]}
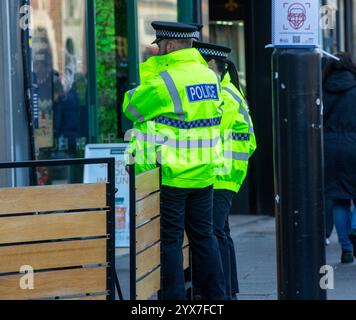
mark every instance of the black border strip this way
{"type": "Point", "coordinates": [132, 233]}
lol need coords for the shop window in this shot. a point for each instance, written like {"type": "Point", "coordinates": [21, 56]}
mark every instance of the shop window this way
{"type": "Point", "coordinates": [148, 11]}
{"type": "Point", "coordinates": [232, 35]}
{"type": "Point", "coordinates": [60, 110]}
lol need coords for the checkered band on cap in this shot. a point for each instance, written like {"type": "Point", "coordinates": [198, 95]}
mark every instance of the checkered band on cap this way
{"type": "Point", "coordinates": [213, 52]}
{"type": "Point", "coordinates": [174, 34]}
{"type": "Point", "coordinates": [196, 35]}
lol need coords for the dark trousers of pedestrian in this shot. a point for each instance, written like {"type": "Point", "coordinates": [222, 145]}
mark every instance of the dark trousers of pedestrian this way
{"type": "Point", "coordinates": [345, 222]}
{"type": "Point", "coordinates": [192, 210]}
{"type": "Point", "coordinates": [233, 262]}
{"type": "Point", "coordinates": [221, 210]}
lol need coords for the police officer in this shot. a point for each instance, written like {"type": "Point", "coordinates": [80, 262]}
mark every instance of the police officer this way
{"type": "Point", "coordinates": [176, 114]}
{"type": "Point", "coordinates": [239, 144]}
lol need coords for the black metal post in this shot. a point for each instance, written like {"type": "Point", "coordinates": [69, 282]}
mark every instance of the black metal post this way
{"type": "Point", "coordinates": [132, 233]}
{"type": "Point", "coordinates": [111, 231]}
{"type": "Point", "coordinates": [298, 173]}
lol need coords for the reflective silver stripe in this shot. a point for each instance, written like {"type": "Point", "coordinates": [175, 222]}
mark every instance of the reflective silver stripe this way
{"type": "Point", "coordinates": [131, 93]}
{"type": "Point", "coordinates": [219, 80]}
{"type": "Point", "coordinates": [135, 113]}
{"type": "Point", "coordinates": [236, 97]}
{"type": "Point", "coordinates": [173, 92]}
{"type": "Point", "coordinates": [194, 144]}
{"type": "Point", "coordinates": [246, 104]}
{"type": "Point", "coordinates": [178, 144]}
{"type": "Point", "coordinates": [221, 108]}
{"type": "Point", "coordinates": [144, 137]}
{"type": "Point", "coordinates": [246, 114]}
{"type": "Point", "coordinates": [242, 110]}
{"type": "Point", "coordinates": [240, 156]}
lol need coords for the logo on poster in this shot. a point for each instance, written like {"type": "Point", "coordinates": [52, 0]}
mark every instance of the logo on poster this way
{"type": "Point", "coordinates": [297, 15]}
{"type": "Point", "coordinates": [296, 23]}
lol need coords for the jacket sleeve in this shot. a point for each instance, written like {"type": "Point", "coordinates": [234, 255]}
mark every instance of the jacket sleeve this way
{"type": "Point", "coordinates": [147, 101]}
{"type": "Point", "coordinates": [241, 146]}
{"type": "Point", "coordinates": [253, 142]}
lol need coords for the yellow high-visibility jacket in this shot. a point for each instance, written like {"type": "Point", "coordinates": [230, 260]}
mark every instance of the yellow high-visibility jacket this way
{"type": "Point", "coordinates": [176, 114]}
{"type": "Point", "coordinates": [239, 142]}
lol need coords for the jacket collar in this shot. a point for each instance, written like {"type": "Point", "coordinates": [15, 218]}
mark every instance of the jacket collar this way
{"type": "Point", "coordinates": [226, 80]}
{"type": "Point", "coordinates": [183, 56]}
{"type": "Point", "coordinates": [158, 64]}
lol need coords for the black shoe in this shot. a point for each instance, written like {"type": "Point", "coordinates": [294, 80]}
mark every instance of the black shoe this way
{"type": "Point", "coordinates": [352, 237]}
{"type": "Point", "coordinates": [347, 257]}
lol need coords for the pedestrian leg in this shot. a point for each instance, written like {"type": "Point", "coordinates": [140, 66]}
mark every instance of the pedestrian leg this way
{"type": "Point", "coordinates": [342, 219]}
{"type": "Point", "coordinates": [353, 219]}
{"type": "Point", "coordinates": [352, 236]}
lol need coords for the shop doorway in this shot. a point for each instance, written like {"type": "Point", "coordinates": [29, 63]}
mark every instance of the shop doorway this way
{"type": "Point", "coordinates": [227, 27]}
{"type": "Point", "coordinates": [232, 35]}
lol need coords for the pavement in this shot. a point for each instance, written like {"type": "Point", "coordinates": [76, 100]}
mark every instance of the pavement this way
{"type": "Point", "coordinates": [255, 243]}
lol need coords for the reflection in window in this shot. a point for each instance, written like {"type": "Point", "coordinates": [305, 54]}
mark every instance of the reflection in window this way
{"type": "Point", "coordinates": [112, 66]}
{"type": "Point", "coordinates": [71, 8]}
{"type": "Point", "coordinates": [148, 11]}
{"type": "Point", "coordinates": [333, 27]}
{"type": "Point", "coordinates": [60, 81]}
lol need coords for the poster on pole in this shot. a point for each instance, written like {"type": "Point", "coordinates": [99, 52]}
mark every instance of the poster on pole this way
{"type": "Point", "coordinates": [296, 23]}
{"type": "Point", "coordinates": [98, 174]}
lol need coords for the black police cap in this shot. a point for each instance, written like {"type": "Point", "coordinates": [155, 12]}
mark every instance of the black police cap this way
{"type": "Point", "coordinates": [173, 30]}
{"type": "Point", "coordinates": [213, 51]}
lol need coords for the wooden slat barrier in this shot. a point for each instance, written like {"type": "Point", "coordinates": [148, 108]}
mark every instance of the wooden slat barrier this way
{"type": "Point", "coordinates": [53, 255]}
{"type": "Point", "coordinates": [148, 234]}
{"type": "Point", "coordinates": [55, 284]}
{"type": "Point", "coordinates": [52, 198]}
{"type": "Point", "coordinates": [147, 183]}
{"type": "Point", "coordinates": [52, 227]}
{"type": "Point", "coordinates": [186, 258]}
{"type": "Point", "coordinates": [186, 241]}
{"type": "Point", "coordinates": [49, 238]}
{"type": "Point", "coordinates": [97, 298]}
{"type": "Point", "coordinates": [147, 228]}
{"type": "Point", "coordinates": [148, 261]}
{"type": "Point", "coordinates": [148, 286]}
{"type": "Point", "coordinates": [147, 208]}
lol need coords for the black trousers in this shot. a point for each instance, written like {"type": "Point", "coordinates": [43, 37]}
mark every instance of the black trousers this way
{"type": "Point", "coordinates": [222, 207]}
{"type": "Point", "coordinates": [192, 210]}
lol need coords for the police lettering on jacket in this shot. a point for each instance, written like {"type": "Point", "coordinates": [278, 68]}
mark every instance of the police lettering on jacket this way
{"type": "Point", "coordinates": [202, 92]}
